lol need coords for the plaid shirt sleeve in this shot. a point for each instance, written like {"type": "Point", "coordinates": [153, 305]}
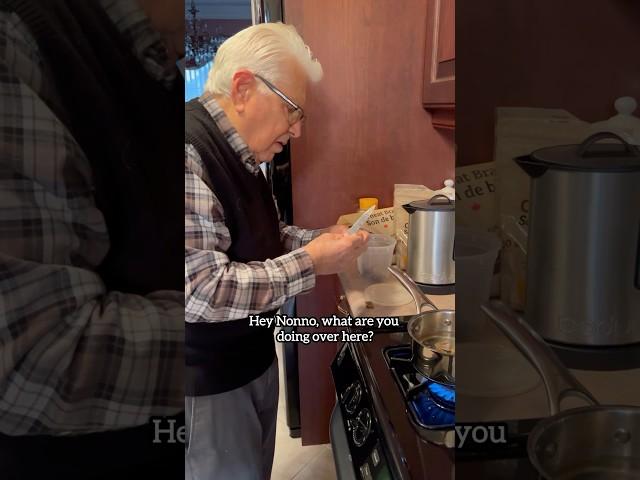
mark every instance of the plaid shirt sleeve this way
{"type": "Point", "coordinates": [217, 289]}
{"type": "Point", "coordinates": [74, 357]}
{"type": "Point", "coordinates": [294, 237]}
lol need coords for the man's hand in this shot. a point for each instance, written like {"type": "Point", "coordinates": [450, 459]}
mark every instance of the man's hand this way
{"type": "Point", "coordinates": [334, 252]}
{"type": "Point", "coordinates": [341, 229]}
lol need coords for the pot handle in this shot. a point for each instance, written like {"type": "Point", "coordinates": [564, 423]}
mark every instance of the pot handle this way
{"type": "Point", "coordinates": [558, 381]}
{"type": "Point", "coordinates": [583, 149]}
{"type": "Point", "coordinates": [420, 298]}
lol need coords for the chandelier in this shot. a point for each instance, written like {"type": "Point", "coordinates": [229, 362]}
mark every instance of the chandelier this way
{"type": "Point", "coordinates": [200, 44]}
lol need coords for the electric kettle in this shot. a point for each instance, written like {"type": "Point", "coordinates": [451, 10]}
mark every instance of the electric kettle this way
{"type": "Point", "coordinates": [432, 228]}
{"type": "Point", "coordinates": [583, 254]}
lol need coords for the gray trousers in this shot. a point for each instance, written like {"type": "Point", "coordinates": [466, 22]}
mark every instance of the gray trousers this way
{"type": "Point", "coordinates": [232, 435]}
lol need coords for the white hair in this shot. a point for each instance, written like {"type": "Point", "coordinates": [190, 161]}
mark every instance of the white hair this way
{"type": "Point", "coordinates": [261, 49]}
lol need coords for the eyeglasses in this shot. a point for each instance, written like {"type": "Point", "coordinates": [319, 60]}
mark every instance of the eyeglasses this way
{"type": "Point", "coordinates": [296, 114]}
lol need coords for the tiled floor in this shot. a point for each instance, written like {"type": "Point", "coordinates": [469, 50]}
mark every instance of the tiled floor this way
{"type": "Point", "coordinates": [292, 461]}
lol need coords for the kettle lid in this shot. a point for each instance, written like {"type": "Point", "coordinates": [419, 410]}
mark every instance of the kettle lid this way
{"type": "Point", "coordinates": [590, 156]}
{"type": "Point", "coordinates": [437, 203]}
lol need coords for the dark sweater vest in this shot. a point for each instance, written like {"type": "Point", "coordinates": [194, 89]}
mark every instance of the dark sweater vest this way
{"type": "Point", "coordinates": [130, 128]}
{"type": "Point", "coordinates": [222, 356]}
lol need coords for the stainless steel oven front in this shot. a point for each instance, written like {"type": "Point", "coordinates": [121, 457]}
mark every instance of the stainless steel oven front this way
{"type": "Point", "coordinates": [359, 448]}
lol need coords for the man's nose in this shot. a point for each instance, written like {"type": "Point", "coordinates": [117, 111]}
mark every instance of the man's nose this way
{"type": "Point", "coordinates": [295, 130]}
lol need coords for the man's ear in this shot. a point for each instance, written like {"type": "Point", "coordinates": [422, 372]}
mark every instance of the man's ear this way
{"type": "Point", "coordinates": [242, 86]}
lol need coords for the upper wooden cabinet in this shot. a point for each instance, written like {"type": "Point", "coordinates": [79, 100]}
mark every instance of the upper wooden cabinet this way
{"type": "Point", "coordinates": [440, 60]}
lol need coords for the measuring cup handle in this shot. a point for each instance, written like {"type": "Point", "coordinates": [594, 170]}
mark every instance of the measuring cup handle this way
{"type": "Point", "coordinates": [558, 381]}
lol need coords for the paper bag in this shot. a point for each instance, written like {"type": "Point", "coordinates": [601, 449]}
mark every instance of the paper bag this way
{"type": "Point", "coordinates": [380, 221]}
{"type": "Point", "coordinates": [476, 197]}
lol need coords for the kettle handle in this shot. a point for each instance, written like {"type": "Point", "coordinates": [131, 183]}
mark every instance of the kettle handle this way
{"type": "Point", "coordinates": [583, 149]}
{"type": "Point", "coordinates": [441, 196]}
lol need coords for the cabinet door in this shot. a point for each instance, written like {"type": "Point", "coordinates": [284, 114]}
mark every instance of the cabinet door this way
{"type": "Point", "coordinates": [440, 54]}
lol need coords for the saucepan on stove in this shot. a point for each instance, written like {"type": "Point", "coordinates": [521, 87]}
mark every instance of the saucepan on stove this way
{"type": "Point", "coordinates": [433, 335]}
{"type": "Point", "coordinates": [589, 442]}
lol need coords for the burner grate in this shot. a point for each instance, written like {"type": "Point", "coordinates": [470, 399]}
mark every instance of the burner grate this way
{"type": "Point", "coordinates": [431, 404]}
{"type": "Point", "coordinates": [430, 413]}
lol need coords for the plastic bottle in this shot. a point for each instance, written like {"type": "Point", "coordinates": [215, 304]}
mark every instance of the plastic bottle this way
{"type": "Point", "coordinates": [365, 202]}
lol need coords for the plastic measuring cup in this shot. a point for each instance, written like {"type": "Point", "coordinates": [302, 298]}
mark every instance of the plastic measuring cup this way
{"type": "Point", "coordinates": [376, 259]}
{"type": "Point", "coordinates": [475, 254]}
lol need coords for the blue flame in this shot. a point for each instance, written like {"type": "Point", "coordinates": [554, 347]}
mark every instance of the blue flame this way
{"type": "Point", "coordinates": [430, 413]}
{"type": "Point", "coordinates": [445, 394]}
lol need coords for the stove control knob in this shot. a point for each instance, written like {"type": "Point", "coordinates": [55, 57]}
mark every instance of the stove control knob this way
{"type": "Point", "coordinates": [361, 427]}
{"type": "Point", "coordinates": [351, 397]}
{"type": "Point", "coordinates": [365, 472]}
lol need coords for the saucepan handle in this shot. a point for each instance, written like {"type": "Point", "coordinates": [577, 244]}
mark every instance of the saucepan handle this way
{"type": "Point", "coordinates": [558, 381]}
{"type": "Point", "coordinates": [420, 298]}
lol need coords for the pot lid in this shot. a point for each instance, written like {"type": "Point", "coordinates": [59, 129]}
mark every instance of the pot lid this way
{"type": "Point", "coordinates": [437, 203]}
{"type": "Point", "coordinates": [589, 156]}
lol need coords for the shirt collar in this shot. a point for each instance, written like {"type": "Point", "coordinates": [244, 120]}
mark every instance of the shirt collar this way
{"type": "Point", "coordinates": [230, 133]}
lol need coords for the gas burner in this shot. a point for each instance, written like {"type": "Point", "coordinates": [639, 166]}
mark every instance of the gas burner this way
{"type": "Point", "coordinates": [431, 404]}
{"type": "Point", "coordinates": [443, 396]}
{"type": "Point", "coordinates": [413, 380]}
{"type": "Point", "coordinates": [429, 413]}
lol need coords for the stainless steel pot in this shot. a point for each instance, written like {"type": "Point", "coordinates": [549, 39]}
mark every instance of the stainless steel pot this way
{"type": "Point", "coordinates": [433, 335]}
{"type": "Point", "coordinates": [593, 442]}
{"type": "Point", "coordinates": [432, 228]}
{"type": "Point", "coordinates": [583, 255]}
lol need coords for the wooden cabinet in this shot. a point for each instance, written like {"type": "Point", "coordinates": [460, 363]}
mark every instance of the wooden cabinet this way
{"type": "Point", "coordinates": [439, 65]}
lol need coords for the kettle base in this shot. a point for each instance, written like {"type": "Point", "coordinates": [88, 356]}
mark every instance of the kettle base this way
{"type": "Point", "coordinates": [620, 357]}
{"type": "Point", "coordinates": [448, 289]}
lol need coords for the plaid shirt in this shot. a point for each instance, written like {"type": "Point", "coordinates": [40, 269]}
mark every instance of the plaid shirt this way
{"type": "Point", "coordinates": [217, 289]}
{"type": "Point", "coordinates": [74, 357]}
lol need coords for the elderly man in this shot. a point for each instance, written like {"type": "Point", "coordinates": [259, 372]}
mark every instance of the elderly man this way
{"type": "Point", "coordinates": [240, 260]}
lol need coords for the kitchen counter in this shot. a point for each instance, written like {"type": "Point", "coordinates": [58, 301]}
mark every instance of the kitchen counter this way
{"type": "Point", "coordinates": [490, 362]}
{"type": "Point", "coordinates": [355, 284]}
{"type": "Point", "coordinates": [608, 387]}
{"type": "Point", "coordinates": [612, 387]}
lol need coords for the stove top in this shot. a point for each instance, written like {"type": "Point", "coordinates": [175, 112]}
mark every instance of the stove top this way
{"type": "Point", "coordinates": [416, 416]}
